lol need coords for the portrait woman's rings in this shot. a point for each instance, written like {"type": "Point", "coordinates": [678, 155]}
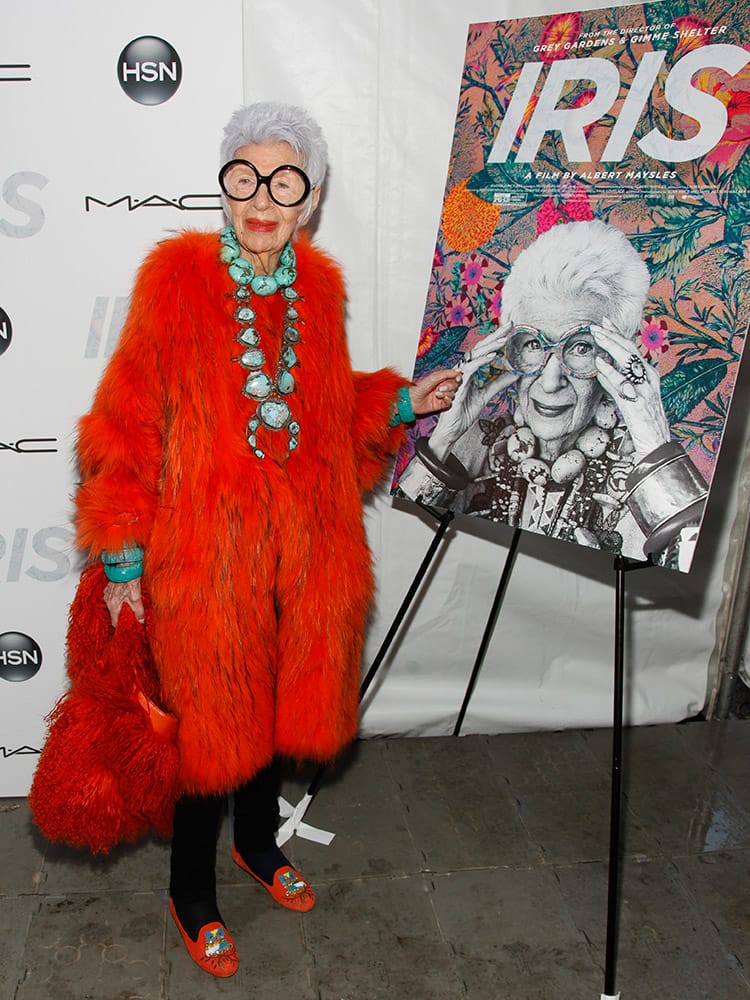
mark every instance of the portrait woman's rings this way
{"type": "Point", "coordinates": [634, 370]}
{"type": "Point", "coordinates": [627, 390]}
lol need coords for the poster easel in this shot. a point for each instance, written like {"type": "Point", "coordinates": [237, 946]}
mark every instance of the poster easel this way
{"type": "Point", "coordinates": [621, 566]}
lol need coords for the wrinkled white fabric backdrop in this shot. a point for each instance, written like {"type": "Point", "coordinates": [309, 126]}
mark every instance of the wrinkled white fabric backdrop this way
{"type": "Point", "coordinates": [382, 78]}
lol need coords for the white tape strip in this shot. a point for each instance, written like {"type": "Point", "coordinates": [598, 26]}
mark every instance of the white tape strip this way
{"type": "Point", "coordinates": [293, 823]}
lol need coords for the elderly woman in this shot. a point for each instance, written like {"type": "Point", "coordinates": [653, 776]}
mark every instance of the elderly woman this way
{"type": "Point", "coordinates": [586, 455]}
{"type": "Point", "coordinates": [223, 462]}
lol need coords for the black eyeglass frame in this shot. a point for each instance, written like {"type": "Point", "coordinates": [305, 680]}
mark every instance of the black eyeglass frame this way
{"type": "Point", "coordinates": [285, 167]}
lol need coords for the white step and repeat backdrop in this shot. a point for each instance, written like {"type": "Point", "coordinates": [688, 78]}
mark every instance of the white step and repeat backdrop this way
{"type": "Point", "coordinates": [98, 162]}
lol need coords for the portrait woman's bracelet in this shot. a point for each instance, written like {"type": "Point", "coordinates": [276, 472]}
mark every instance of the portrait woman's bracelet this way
{"type": "Point", "coordinates": [450, 472]}
{"type": "Point", "coordinates": [665, 494]}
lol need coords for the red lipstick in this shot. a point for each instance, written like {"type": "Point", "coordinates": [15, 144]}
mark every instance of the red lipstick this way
{"type": "Point", "coordinates": [259, 225]}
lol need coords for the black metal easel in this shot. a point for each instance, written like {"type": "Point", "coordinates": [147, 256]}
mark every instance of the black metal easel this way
{"type": "Point", "coordinates": [444, 520]}
{"type": "Point", "coordinates": [622, 565]}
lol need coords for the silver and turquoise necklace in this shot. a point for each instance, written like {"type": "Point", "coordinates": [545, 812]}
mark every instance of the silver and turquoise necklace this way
{"type": "Point", "coordinates": [270, 392]}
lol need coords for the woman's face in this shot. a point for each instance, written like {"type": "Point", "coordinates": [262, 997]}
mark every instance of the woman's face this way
{"type": "Point", "coordinates": [556, 405]}
{"type": "Point", "coordinates": [263, 227]}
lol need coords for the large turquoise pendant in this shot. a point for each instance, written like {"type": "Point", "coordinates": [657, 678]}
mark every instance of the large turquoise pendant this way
{"type": "Point", "coordinates": [274, 414]}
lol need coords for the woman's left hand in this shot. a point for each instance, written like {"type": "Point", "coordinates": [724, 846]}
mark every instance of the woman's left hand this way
{"type": "Point", "coordinates": [634, 387]}
{"type": "Point", "coordinates": [435, 391]}
{"type": "Point", "coordinates": [117, 594]}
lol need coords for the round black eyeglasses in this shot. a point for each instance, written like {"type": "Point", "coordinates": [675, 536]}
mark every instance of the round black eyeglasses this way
{"type": "Point", "coordinates": [287, 185]}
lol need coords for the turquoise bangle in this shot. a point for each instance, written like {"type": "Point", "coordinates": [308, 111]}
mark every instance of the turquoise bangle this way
{"type": "Point", "coordinates": [404, 410]}
{"type": "Point", "coordinates": [123, 572]}
{"type": "Point", "coordinates": [131, 553]}
{"type": "Point", "coordinates": [120, 567]}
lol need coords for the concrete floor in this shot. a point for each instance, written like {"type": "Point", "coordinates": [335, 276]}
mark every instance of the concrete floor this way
{"type": "Point", "coordinates": [472, 867]}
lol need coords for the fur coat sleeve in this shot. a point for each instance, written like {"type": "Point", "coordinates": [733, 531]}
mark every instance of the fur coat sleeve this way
{"type": "Point", "coordinates": [119, 444]}
{"type": "Point", "coordinates": [374, 438]}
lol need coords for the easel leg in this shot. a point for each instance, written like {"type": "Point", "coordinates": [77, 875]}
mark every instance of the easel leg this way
{"type": "Point", "coordinates": [444, 520]}
{"type": "Point", "coordinates": [489, 628]}
{"type": "Point", "coordinates": [622, 565]}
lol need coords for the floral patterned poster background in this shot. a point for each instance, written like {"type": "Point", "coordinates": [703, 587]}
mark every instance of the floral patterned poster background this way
{"type": "Point", "coordinates": [574, 131]}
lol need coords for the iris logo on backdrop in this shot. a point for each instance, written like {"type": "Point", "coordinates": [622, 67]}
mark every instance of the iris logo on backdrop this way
{"type": "Point", "coordinates": [149, 70]}
{"type": "Point", "coordinates": [45, 554]}
{"type": "Point", "coordinates": [16, 199]}
{"type": "Point", "coordinates": [20, 656]}
{"type": "Point", "coordinates": [107, 320]}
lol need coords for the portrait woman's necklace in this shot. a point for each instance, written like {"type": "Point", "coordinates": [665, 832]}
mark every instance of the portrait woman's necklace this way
{"type": "Point", "coordinates": [273, 411]}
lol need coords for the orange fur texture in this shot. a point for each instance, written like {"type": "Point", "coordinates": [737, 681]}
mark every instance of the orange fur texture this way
{"type": "Point", "coordinates": [104, 776]}
{"type": "Point", "coordinates": [258, 571]}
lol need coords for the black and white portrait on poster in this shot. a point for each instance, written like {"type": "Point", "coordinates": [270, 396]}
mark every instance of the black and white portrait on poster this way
{"type": "Point", "coordinates": [589, 276]}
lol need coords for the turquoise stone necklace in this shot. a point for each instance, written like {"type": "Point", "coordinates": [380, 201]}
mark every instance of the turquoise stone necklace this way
{"type": "Point", "coordinates": [273, 411]}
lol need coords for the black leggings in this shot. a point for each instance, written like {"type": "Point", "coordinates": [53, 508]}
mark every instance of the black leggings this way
{"type": "Point", "coordinates": [196, 828]}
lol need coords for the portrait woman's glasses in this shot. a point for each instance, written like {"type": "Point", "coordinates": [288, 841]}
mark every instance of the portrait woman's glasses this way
{"type": "Point", "coordinates": [527, 351]}
{"type": "Point", "coordinates": [287, 185]}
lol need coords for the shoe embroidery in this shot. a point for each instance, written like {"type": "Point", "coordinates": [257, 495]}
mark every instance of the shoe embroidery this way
{"type": "Point", "coordinates": [291, 884]}
{"type": "Point", "coordinates": [216, 943]}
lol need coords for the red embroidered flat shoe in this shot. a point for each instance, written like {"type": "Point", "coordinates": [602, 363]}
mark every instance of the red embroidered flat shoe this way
{"type": "Point", "coordinates": [214, 951]}
{"type": "Point", "coordinates": [288, 888]}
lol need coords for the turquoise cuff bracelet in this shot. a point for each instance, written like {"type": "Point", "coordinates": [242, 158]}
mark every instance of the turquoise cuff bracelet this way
{"type": "Point", "coordinates": [404, 411]}
{"type": "Point", "coordinates": [131, 553]}
{"type": "Point", "coordinates": [120, 567]}
{"type": "Point", "coordinates": [123, 572]}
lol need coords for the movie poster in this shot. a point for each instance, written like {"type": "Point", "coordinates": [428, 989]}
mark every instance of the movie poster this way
{"type": "Point", "coordinates": [589, 276]}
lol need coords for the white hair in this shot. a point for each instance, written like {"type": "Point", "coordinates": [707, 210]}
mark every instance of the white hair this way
{"type": "Point", "coordinates": [268, 121]}
{"type": "Point", "coordinates": [590, 261]}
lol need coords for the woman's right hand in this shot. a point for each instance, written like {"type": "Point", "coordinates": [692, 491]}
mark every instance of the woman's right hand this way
{"type": "Point", "coordinates": [472, 396]}
{"type": "Point", "coordinates": [117, 594]}
{"type": "Point", "coordinates": [637, 398]}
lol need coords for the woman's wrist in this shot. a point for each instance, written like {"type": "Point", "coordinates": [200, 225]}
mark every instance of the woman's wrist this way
{"type": "Point", "coordinates": [440, 445]}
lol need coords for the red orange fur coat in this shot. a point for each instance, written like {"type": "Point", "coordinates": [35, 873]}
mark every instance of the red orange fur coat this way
{"type": "Point", "coordinates": [258, 571]}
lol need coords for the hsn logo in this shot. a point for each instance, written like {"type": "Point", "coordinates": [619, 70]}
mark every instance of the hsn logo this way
{"type": "Point", "coordinates": [149, 70]}
{"type": "Point", "coordinates": [20, 656]}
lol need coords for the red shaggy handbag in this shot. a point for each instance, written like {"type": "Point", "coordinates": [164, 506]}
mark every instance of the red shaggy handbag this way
{"type": "Point", "coordinates": [108, 771]}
